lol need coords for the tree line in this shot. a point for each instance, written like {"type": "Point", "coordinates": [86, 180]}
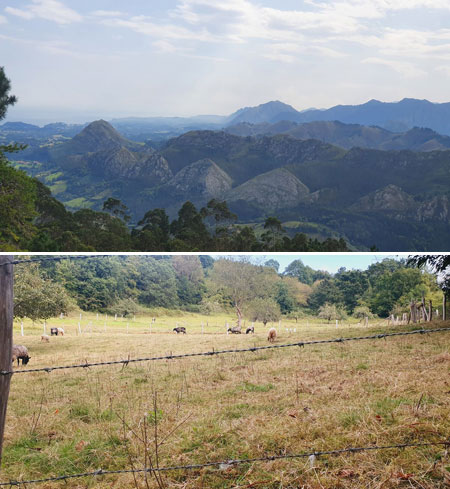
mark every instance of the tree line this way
{"type": "Point", "coordinates": [32, 220]}
{"type": "Point", "coordinates": [256, 291]}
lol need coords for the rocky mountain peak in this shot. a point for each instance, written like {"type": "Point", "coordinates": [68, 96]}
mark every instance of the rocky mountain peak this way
{"type": "Point", "coordinates": [98, 136]}
{"type": "Point", "coordinates": [389, 198]}
{"type": "Point", "coordinates": [203, 179]}
{"type": "Point", "coordinates": [276, 189]}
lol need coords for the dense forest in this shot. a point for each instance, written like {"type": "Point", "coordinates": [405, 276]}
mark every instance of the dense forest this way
{"type": "Point", "coordinates": [257, 291]}
{"type": "Point", "coordinates": [32, 220]}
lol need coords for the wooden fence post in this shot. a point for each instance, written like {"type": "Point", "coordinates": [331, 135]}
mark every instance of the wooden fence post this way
{"type": "Point", "coordinates": [6, 333]}
{"type": "Point", "coordinates": [444, 306]}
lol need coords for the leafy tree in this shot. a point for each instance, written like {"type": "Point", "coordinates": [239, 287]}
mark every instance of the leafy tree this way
{"type": "Point", "coordinates": [116, 208]}
{"type": "Point", "coordinates": [298, 291]}
{"type": "Point", "coordinates": [272, 238]}
{"type": "Point", "coordinates": [284, 299]}
{"type": "Point", "coordinates": [190, 228]}
{"type": "Point", "coordinates": [95, 283]}
{"type": "Point", "coordinates": [438, 263]}
{"type": "Point", "coordinates": [101, 231]}
{"type": "Point", "coordinates": [156, 283]}
{"type": "Point", "coordinates": [37, 297]}
{"type": "Point", "coordinates": [264, 310]}
{"type": "Point", "coordinates": [124, 307]}
{"type": "Point", "coordinates": [389, 287]}
{"type": "Point", "coordinates": [325, 291]}
{"type": "Point", "coordinates": [5, 99]}
{"type": "Point", "coordinates": [222, 218]}
{"type": "Point", "coordinates": [244, 239]}
{"type": "Point", "coordinates": [190, 278]}
{"type": "Point", "coordinates": [17, 206]}
{"type": "Point", "coordinates": [272, 263]}
{"type": "Point", "coordinates": [352, 284]}
{"type": "Point", "coordinates": [378, 269]}
{"type": "Point", "coordinates": [242, 282]}
{"type": "Point", "coordinates": [206, 261]}
{"type": "Point", "coordinates": [362, 312]}
{"type": "Point", "coordinates": [302, 272]}
{"type": "Point", "coordinates": [154, 232]}
{"type": "Point", "coordinates": [331, 312]}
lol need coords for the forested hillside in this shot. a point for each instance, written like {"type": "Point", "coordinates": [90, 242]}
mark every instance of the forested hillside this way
{"type": "Point", "coordinates": [368, 197]}
{"type": "Point", "coordinates": [129, 285]}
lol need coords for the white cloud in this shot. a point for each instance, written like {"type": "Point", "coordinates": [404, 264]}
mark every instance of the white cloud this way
{"type": "Point", "coordinates": [3, 19]}
{"type": "Point", "coordinates": [58, 48]}
{"type": "Point", "coordinates": [144, 25]}
{"type": "Point", "coordinates": [408, 70]}
{"type": "Point", "coordinates": [443, 69]}
{"type": "Point", "coordinates": [24, 14]}
{"type": "Point", "coordinates": [108, 13]}
{"type": "Point", "coordinates": [325, 28]}
{"type": "Point", "coordinates": [52, 10]}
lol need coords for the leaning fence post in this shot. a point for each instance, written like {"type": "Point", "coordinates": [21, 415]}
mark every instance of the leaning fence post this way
{"type": "Point", "coordinates": [6, 332]}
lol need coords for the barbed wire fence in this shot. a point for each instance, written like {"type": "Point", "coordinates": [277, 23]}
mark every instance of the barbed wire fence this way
{"type": "Point", "coordinates": [225, 464]}
{"type": "Point", "coordinates": [6, 374]}
{"type": "Point", "coordinates": [223, 352]}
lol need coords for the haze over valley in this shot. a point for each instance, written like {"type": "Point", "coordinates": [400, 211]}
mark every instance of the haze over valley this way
{"type": "Point", "coordinates": [321, 119]}
{"type": "Point", "coordinates": [327, 178]}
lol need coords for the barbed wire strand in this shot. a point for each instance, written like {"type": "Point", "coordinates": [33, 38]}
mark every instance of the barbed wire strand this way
{"type": "Point", "coordinates": [222, 352]}
{"type": "Point", "coordinates": [53, 258]}
{"type": "Point", "coordinates": [225, 463]}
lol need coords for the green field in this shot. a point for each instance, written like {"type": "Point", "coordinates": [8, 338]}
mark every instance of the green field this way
{"type": "Point", "coordinates": [238, 405]}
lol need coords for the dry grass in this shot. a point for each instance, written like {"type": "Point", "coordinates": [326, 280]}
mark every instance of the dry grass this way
{"type": "Point", "coordinates": [231, 406]}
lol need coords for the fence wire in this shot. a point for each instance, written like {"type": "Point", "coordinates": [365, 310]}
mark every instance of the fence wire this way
{"type": "Point", "coordinates": [53, 258]}
{"type": "Point", "coordinates": [222, 352]}
{"type": "Point", "coordinates": [224, 464]}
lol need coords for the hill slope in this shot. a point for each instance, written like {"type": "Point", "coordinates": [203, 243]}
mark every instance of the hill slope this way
{"type": "Point", "coordinates": [348, 135]}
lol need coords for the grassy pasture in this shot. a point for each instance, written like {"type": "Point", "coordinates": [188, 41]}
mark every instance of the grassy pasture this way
{"type": "Point", "coordinates": [231, 406]}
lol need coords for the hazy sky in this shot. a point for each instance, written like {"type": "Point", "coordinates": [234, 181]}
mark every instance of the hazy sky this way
{"type": "Point", "coordinates": [83, 59]}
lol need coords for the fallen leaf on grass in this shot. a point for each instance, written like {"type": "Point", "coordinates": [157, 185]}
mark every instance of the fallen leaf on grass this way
{"type": "Point", "coordinates": [80, 445]}
{"type": "Point", "coordinates": [347, 473]}
{"type": "Point", "coordinates": [402, 476]}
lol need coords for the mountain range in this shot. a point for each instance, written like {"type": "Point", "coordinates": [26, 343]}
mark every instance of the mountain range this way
{"type": "Point", "coordinates": [396, 200]}
{"type": "Point", "coordinates": [348, 135]}
{"type": "Point", "coordinates": [392, 116]}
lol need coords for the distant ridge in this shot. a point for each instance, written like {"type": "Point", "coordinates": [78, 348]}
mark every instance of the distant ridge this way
{"type": "Point", "coordinates": [393, 116]}
{"type": "Point", "coordinates": [269, 112]}
{"type": "Point", "coordinates": [348, 135]}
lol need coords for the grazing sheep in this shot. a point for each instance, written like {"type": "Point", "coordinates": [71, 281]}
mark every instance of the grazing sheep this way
{"type": "Point", "coordinates": [272, 335]}
{"type": "Point", "coordinates": [20, 352]}
{"type": "Point", "coordinates": [60, 331]}
{"type": "Point", "coordinates": [180, 329]}
{"type": "Point", "coordinates": [54, 331]}
{"type": "Point", "coordinates": [234, 330]}
{"type": "Point", "coordinates": [250, 330]}
{"type": "Point", "coordinates": [45, 337]}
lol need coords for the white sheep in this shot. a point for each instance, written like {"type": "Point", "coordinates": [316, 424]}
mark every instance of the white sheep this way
{"type": "Point", "coordinates": [45, 338]}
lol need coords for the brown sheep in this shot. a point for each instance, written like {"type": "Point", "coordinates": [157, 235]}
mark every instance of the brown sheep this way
{"type": "Point", "coordinates": [20, 352]}
{"type": "Point", "coordinates": [272, 335]}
